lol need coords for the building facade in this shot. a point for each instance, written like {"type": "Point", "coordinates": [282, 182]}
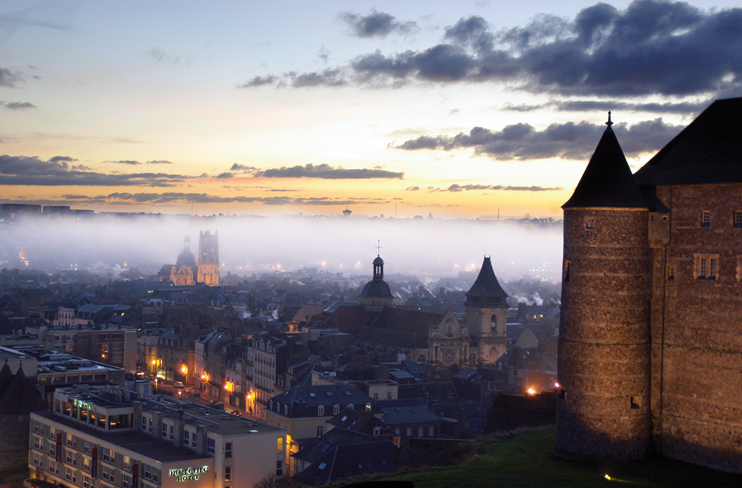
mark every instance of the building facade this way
{"type": "Point", "coordinates": [208, 258]}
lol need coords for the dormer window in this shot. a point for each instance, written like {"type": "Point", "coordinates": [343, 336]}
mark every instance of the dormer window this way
{"type": "Point", "coordinates": [321, 411]}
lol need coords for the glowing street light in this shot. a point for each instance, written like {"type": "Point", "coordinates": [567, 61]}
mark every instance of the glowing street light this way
{"type": "Point", "coordinates": [531, 391]}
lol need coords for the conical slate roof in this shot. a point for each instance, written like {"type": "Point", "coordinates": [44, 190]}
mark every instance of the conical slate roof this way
{"type": "Point", "coordinates": [486, 290]}
{"type": "Point", "coordinates": [709, 150]}
{"type": "Point", "coordinates": [607, 180]}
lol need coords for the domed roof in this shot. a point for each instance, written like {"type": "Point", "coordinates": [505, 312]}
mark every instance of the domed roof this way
{"type": "Point", "coordinates": [378, 261]}
{"type": "Point", "coordinates": [376, 289]}
{"type": "Point", "coordinates": [186, 259]}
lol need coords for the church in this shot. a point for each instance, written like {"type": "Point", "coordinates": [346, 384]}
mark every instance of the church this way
{"type": "Point", "coordinates": [186, 272]}
{"type": "Point", "coordinates": [650, 342]}
{"type": "Point", "coordinates": [425, 336]}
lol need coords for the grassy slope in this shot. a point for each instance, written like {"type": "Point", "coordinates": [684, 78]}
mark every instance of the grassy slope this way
{"type": "Point", "coordinates": [527, 461]}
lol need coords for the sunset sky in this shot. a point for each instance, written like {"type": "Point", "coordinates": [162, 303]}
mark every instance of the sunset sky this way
{"type": "Point", "coordinates": [455, 108]}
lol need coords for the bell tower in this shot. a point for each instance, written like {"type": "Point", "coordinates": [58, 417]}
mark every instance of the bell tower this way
{"type": "Point", "coordinates": [208, 258]}
{"type": "Point", "coordinates": [486, 309]}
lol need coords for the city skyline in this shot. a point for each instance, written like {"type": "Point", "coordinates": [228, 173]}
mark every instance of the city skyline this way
{"type": "Point", "coordinates": [459, 110]}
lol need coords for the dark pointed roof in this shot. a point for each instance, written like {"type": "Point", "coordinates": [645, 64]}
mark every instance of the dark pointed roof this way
{"type": "Point", "coordinates": [607, 180]}
{"type": "Point", "coordinates": [486, 290]}
{"type": "Point", "coordinates": [709, 150]}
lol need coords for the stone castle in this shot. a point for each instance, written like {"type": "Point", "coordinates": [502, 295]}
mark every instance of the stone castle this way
{"type": "Point", "coordinates": [650, 343]}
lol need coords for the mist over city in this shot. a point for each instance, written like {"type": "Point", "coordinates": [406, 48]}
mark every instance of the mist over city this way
{"type": "Point", "coordinates": [426, 248]}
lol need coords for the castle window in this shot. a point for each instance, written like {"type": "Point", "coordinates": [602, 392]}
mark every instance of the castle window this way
{"type": "Point", "coordinates": [706, 266]}
{"type": "Point", "coordinates": [737, 222]}
{"type": "Point", "coordinates": [589, 223]}
{"type": "Point", "coordinates": [706, 218]}
{"type": "Point", "coordinates": [567, 266]}
{"type": "Point", "coordinates": [671, 272]}
{"type": "Point", "coordinates": [739, 268]}
{"type": "Point", "coordinates": [636, 402]}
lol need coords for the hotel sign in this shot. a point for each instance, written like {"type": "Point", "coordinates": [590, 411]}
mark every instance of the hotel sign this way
{"type": "Point", "coordinates": [81, 404]}
{"type": "Point", "coordinates": [187, 474]}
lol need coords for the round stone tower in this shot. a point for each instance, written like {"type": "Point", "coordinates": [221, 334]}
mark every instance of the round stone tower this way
{"type": "Point", "coordinates": [604, 335]}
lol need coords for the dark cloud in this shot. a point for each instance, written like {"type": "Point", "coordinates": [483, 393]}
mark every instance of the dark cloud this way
{"type": "Point", "coordinates": [225, 175]}
{"type": "Point", "coordinates": [159, 161]}
{"type": "Point", "coordinates": [124, 161]}
{"type": "Point", "coordinates": [684, 108]}
{"type": "Point", "coordinates": [652, 47]}
{"type": "Point", "coordinates": [178, 197]}
{"type": "Point", "coordinates": [241, 168]}
{"type": "Point", "coordinates": [522, 142]}
{"type": "Point", "coordinates": [9, 78]}
{"type": "Point", "coordinates": [375, 24]}
{"type": "Point", "coordinates": [57, 171]}
{"type": "Point", "coordinates": [18, 105]}
{"type": "Point", "coordinates": [326, 172]}
{"type": "Point", "coordinates": [260, 81]}
{"type": "Point", "coordinates": [412, 188]}
{"type": "Point", "coordinates": [455, 188]}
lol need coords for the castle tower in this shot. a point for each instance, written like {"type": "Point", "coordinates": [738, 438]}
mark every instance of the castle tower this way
{"type": "Point", "coordinates": [376, 294]}
{"type": "Point", "coordinates": [603, 410]}
{"type": "Point", "coordinates": [208, 258]}
{"type": "Point", "coordinates": [486, 309]}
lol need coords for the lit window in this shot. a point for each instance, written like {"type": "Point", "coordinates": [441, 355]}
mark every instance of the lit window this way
{"type": "Point", "coordinates": [589, 223]}
{"type": "Point", "coordinates": [228, 473]}
{"type": "Point", "coordinates": [706, 218]}
{"type": "Point", "coordinates": [279, 444]}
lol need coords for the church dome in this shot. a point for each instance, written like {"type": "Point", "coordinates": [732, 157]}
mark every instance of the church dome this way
{"type": "Point", "coordinates": [378, 261]}
{"type": "Point", "coordinates": [186, 259]}
{"type": "Point", "coordinates": [376, 289]}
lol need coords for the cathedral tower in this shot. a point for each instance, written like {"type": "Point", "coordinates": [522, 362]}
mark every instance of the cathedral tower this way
{"type": "Point", "coordinates": [486, 309]}
{"type": "Point", "coordinates": [376, 294]}
{"type": "Point", "coordinates": [208, 258]}
{"type": "Point", "coordinates": [603, 410]}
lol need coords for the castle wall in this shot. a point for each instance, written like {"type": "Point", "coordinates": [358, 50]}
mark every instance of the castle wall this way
{"type": "Point", "coordinates": [696, 329]}
{"type": "Point", "coordinates": [604, 352]}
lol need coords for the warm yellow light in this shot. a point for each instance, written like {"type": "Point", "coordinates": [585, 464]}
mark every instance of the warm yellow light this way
{"type": "Point", "coordinates": [557, 385]}
{"type": "Point", "coordinates": [226, 387]}
{"type": "Point", "coordinates": [154, 361]}
{"type": "Point", "coordinates": [531, 391]}
{"type": "Point", "coordinates": [607, 477]}
{"type": "Point", "coordinates": [184, 369]}
{"type": "Point", "coordinates": [203, 376]}
{"type": "Point", "coordinates": [249, 396]}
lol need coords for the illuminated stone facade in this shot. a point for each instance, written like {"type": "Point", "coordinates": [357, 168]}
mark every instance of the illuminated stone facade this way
{"type": "Point", "coordinates": [208, 258]}
{"type": "Point", "coordinates": [650, 350]}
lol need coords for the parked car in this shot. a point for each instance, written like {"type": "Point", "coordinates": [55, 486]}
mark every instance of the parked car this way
{"type": "Point", "coordinates": [179, 385]}
{"type": "Point", "coordinates": [193, 391]}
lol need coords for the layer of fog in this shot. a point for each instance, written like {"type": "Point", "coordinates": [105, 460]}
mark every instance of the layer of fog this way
{"type": "Point", "coordinates": [428, 249]}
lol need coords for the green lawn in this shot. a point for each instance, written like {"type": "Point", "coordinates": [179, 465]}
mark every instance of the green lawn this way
{"type": "Point", "coordinates": [526, 460]}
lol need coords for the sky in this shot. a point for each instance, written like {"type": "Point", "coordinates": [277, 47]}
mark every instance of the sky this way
{"type": "Point", "coordinates": [456, 109]}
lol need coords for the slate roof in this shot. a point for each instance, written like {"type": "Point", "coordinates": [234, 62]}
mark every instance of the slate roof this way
{"type": "Point", "coordinates": [607, 180]}
{"type": "Point", "coordinates": [407, 415]}
{"type": "Point", "coordinates": [350, 462]}
{"type": "Point", "coordinates": [486, 290]}
{"type": "Point", "coordinates": [319, 446]}
{"type": "Point", "coordinates": [709, 150]}
{"type": "Point", "coordinates": [376, 288]}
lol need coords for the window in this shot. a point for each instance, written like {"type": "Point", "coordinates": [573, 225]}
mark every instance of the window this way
{"type": "Point", "coordinates": [164, 430]}
{"type": "Point", "coordinates": [279, 444]}
{"type": "Point", "coordinates": [144, 424]}
{"type": "Point", "coordinates": [376, 395]}
{"type": "Point", "coordinates": [186, 437]}
{"type": "Point", "coordinates": [286, 409]}
{"type": "Point", "coordinates": [320, 410]}
{"type": "Point", "coordinates": [671, 272]}
{"type": "Point", "coordinates": [86, 463]}
{"type": "Point", "coordinates": [389, 395]}
{"type": "Point", "coordinates": [37, 443]}
{"type": "Point", "coordinates": [739, 268]}
{"type": "Point", "coordinates": [88, 483]}
{"type": "Point", "coordinates": [589, 223]}
{"type": "Point", "coordinates": [36, 459]}
{"type": "Point", "coordinates": [737, 218]}
{"type": "Point", "coordinates": [320, 431]}
{"type": "Point", "coordinates": [350, 406]}
{"type": "Point", "coordinates": [127, 463]}
{"type": "Point", "coordinates": [70, 475]}
{"type": "Point", "coordinates": [106, 455]}
{"type": "Point", "coordinates": [409, 431]}
{"type": "Point", "coordinates": [377, 431]}
{"type": "Point", "coordinates": [210, 445]}
{"type": "Point", "coordinates": [172, 434]}
{"type": "Point", "coordinates": [706, 218]}
{"type": "Point", "coordinates": [151, 431]}
{"type": "Point", "coordinates": [227, 449]}
{"type": "Point", "coordinates": [126, 481]}
{"type": "Point", "coordinates": [706, 266]}
{"type": "Point", "coordinates": [431, 431]}
{"type": "Point", "coordinates": [70, 457]}
{"type": "Point", "coordinates": [420, 431]}
{"type": "Point", "coordinates": [106, 473]}
{"type": "Point", "coordinates": [71, 441]}
{"type": "Point", "coordinates": [52, 449]}
{"type": "Point", "coordinates": [52, 432]}
{"type": "Point", "coordinates": [335, 409]}
{"type": "Point", "coordinates": [151, 473]}
{"type": "Point", "coordinates": [53, 467]}
{"type": "Point", "coordinates": [279, 468]}
{"type": "Point", "coordinates": [228, 473]}
{"type": "Point", "coordinates": [567, 266]}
